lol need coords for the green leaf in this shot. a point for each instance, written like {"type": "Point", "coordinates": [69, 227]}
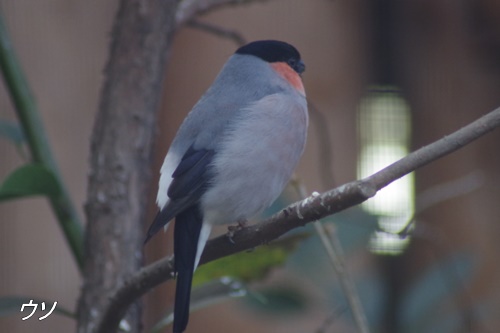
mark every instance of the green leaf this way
{"type": "Point", "coordinates": [28, 180]}
{"type": "Point", "coordinates": [12, 304]}
{"type": "Point", "coordinates": [12, 131]}
{"type": "Point", "coordinates": [249, 266]}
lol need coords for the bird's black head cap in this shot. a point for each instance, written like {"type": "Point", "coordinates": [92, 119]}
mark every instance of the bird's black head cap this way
{"type": "Point", "coordinates": [274, 51]}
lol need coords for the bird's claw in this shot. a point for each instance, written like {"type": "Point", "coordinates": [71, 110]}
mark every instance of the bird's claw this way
{"type": "Point", "coordinates": [232, 229]}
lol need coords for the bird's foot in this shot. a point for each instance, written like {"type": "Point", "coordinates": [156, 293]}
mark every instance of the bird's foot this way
{"type": "Point", "coordinates": [232, 229]}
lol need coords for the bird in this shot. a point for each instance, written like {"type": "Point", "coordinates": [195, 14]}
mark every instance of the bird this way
{"type": "Point", "coordinates": [232, 155]}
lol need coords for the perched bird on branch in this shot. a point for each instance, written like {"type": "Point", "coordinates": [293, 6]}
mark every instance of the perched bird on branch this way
{"type": "Point", "coordinates": [233, 154]}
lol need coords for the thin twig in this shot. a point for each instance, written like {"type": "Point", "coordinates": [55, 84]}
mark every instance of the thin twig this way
{"type": "Point", "coordinates": [330, 320]}
{"type": "Point", "coordinates": [329, 240]}
{"type": "Point", "coordinates": [235, 36]}
{"type": "Point", "coordinates": [29, 117]}
{"type": "Point", "coordinates": [318, 120]}
{"type": "Point", "coordinates": [334, 251]}
{"type": "Point", "coordinates": [188, 9]}
{"type": "Point", "coordinates": [336, 254]}
{"type": "Point", "coordinates": [449, 190]}
{"type": "Point", "coordinates": [296, 215]}
{"type": "Point", "coordinates": [440, 245]}
{"type": "Point", "coordinates": [440, 193]}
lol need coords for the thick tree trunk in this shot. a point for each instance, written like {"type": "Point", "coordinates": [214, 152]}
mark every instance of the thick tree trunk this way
{"type": "Point", "coordinates": [121, 153]}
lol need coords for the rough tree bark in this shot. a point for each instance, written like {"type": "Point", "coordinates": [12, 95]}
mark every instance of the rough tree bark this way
{"type": "Point", "coordinates": [121, 152]}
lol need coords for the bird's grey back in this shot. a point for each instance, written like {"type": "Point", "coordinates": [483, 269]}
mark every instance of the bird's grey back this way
{"type": "Point", "coordinates": [236, 87]}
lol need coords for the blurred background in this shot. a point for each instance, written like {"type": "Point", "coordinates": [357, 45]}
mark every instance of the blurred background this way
{"type": "Point", "coordinates": [383, 77]}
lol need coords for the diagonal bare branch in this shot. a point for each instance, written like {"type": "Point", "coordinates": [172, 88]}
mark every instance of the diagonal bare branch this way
{"type": "Point", "coordinates": [233, 35]}
{"type": "Point", "coordinates": [189, 9]}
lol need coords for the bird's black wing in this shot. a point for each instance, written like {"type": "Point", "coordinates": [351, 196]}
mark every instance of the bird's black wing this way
{"type": "Point", "coordinates": [190, 180]}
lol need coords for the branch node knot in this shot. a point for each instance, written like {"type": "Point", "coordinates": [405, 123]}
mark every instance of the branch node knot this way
{"type": "Point", "coordinates": [367, 189]}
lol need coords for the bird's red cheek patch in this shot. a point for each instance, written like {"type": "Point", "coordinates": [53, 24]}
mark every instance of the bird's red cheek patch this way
{"type": "Point", "coordinates": [290, 75]}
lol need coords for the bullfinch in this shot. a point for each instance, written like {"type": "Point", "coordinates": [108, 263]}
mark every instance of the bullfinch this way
{"type": "Point", "coordinates": [233, 154]}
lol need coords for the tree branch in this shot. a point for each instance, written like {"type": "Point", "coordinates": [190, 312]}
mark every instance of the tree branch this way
{"type": "Point", "coordinates": [294, 216]}
{"type": "Point", "coordinates": [331, 241]}
{"type": "Point", "coordinates": [333, 248]}
{"type": "Point", "coordinates": [189, 9]}
{"type": "Point", "coordinates": [218, 31]}
{"type": "Point", "coordinates": [319, 124]}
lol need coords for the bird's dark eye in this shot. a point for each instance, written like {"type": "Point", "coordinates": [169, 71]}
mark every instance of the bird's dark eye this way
{"type": "Point", "coordinates": [296, 64]}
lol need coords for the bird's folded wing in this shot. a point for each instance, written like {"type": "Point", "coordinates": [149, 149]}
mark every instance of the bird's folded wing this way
{"type": "Point", "coordinates": [190, 180]}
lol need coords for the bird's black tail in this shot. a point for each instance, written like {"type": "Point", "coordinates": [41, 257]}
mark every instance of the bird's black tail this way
{"type": "Point", "coordinates": [186, 234]}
